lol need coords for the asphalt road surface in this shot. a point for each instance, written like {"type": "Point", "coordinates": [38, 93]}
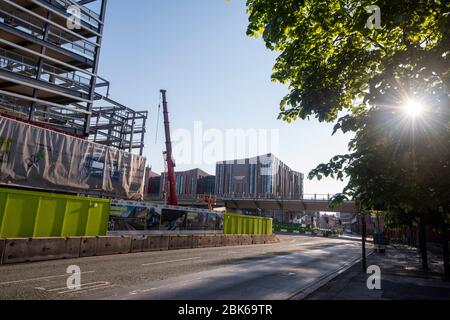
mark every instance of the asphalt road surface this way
{"type": "Point", "coordinates": [272, 272]}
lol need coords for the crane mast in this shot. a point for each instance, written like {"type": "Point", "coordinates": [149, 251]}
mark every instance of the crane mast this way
{"type": "Point", "coordinates": [170, 182]}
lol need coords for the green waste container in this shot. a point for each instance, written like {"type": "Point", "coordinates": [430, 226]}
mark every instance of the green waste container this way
{"type": "Point", "coordinates": [250, 225]}
{"type": "Point", "coordinates": [26, 214]}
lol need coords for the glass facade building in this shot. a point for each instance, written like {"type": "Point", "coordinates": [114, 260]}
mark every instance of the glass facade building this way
{"type": "Point", "coordinates": [260, 177]}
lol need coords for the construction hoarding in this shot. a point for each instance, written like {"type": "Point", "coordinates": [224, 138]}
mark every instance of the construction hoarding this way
{"type": "Point", "coordinates": [35, 157]}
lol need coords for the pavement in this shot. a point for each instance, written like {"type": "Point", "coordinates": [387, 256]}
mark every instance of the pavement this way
{"type": "Point", "coordinates": [273, 272]}
{"type": "Point", "coordinates": [401, 279]}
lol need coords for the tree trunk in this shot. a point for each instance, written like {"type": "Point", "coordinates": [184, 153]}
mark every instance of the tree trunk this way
{"type": "Point", "coordinates": [445, 249]}
{"type": "Point", "coordinates": [363, 236]}
{"type": "Point", "coordinates": [411, 235]}
{"type": "Point", "coordinates": [423, 243]}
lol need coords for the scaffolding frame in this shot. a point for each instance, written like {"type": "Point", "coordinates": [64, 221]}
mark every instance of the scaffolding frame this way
{"type": "Point", "coordinates": [49, 72]}
{"type": "Point", "coordinates": [118, 126]}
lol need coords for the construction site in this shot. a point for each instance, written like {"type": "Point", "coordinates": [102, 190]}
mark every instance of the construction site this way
{"type": "Point", "coordinates": [71, 157]}
{"type": "Point", "coordinates": [231, 202]}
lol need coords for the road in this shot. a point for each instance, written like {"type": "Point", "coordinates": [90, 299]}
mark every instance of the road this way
{"type": "Point", "coordinates": [272, 272]}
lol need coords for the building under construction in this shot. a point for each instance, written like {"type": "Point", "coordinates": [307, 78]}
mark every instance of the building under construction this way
{"type": "Point", "coordinates": [53, 104]}
{"type": "Point", "coordinates": [49, 58]}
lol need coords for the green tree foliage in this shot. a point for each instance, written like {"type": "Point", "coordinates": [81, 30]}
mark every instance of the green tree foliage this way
{"type": "Point", "coordinates": [334, 64]}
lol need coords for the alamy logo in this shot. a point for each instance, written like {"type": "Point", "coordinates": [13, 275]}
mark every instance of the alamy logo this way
{"type": "Point", "coordinates": [74, 280]}
{"type": "Point", "coordinates": [74, 20]}
{"type": "Point", "coordinates": [374, 21]}
{"type": "Point", "coordinates": [374, 280]}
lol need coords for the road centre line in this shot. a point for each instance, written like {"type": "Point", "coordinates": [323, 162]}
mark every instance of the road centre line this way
{"type": "Point", "coordinates": [170, 261]}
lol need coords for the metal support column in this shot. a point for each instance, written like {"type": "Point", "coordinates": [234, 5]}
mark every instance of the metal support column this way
{"type": "Point", "coordinates": [40, 66]}
{"type": "Point", "coordinates": [95, 68]}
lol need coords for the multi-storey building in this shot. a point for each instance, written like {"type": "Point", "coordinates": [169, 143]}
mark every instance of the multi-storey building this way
{"type": "Point", "coordinates": [205, 185]}
{"type": "Point", "coordinates": [262, 176]}
{"type": "Point", "coordinates": [49, 68]}
{"type": "Point", "coordinates": [152, 182]}
{"type": "Point", "coordinates": [49, 59]}
{"type": "Point", "coordinates": [188, 183]}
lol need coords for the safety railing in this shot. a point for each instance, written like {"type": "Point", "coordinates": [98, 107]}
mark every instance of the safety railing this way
{"type": "Point", "coordinates": [86, 15]}
{"type": "Point", "coordinates": [55, 36]}
{"type": "Point", "coordinates": [244, 196]}
{"type": "Point", "coordinates": [25, 66]}
{"type": "Point", "coordinates": [26, 26]}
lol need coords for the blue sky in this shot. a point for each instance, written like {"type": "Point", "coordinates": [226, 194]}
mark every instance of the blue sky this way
{"type": "Point", "coordinates": [198, 50]}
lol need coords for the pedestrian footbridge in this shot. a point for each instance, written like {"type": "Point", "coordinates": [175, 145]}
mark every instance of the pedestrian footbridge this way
{"type": "Point", "coordinates": [307, 203]}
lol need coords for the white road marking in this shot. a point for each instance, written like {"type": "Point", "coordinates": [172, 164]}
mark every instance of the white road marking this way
{"type": "Point", "coordinates": [42, 278]}
{"type": "Point", "coordinates": [87, 287]}
{"type": "Point", "coordinates": [306, 244]}
{"type": "Point", "coordinates": [170, 261]}
{"type": "Point", "coordinates": [109, 286]}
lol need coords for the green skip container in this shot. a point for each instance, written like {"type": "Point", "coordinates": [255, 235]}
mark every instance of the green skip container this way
{"type": "Point", "coordinates": [31, 214]}
{"type": "Point", "coordinates": [247, 225]}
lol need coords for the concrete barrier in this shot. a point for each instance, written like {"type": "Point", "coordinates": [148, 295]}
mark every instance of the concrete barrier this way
{"type": "Point", "coordinates": [156, 243]}
{"type": "Point", "coordinates": [206, 241]}
{"type": "Point", "coordinates": [16, 250]}
{"type": "Point", "coordinates": [113, 245]}
{"type": "Point", "coordinates": [231, 240]}
{"type": "Point", "coordinates": [245, 240]}
{"type": "Point", "coordinates": [217, 240]}
{"type": "Point", "coordinates": [40, 249]}
{"type": "Point", "coordinates": [2, 249]}
{"type": "Point", "coordinates": [195, 241]}
{"type": "Point", "coordinates": [88, 247]}
{"type": "Point", "coordinates": [225, 240]}
{"type": "Point", "coordinates": [257, 239]}
{"type": "Point", "coordinates": [138, 243]}
{"type": "Point", "coordinates": [180, 242]}
{"type": "Point", "coordinates": [271, 239]}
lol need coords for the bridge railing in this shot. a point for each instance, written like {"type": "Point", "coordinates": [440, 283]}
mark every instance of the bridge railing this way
{"type": "Point", "coordinates": [244, 196]}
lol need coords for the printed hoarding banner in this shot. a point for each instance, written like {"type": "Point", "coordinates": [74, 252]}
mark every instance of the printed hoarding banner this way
{"type": "Point", "coordinates": [39, 158]}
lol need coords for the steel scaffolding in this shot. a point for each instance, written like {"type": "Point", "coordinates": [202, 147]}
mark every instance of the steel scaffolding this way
{"type": "Point", "coordinates": [118, 126]}
{"type": "Point", "coordinates": [49, 71]}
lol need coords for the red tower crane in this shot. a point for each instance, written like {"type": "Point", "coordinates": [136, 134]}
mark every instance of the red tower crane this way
{"type": "Point", "coordinates": [170, 181]}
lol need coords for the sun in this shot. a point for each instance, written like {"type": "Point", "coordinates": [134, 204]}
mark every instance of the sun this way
{"type": "Point", "coordinates": [413, 108]}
